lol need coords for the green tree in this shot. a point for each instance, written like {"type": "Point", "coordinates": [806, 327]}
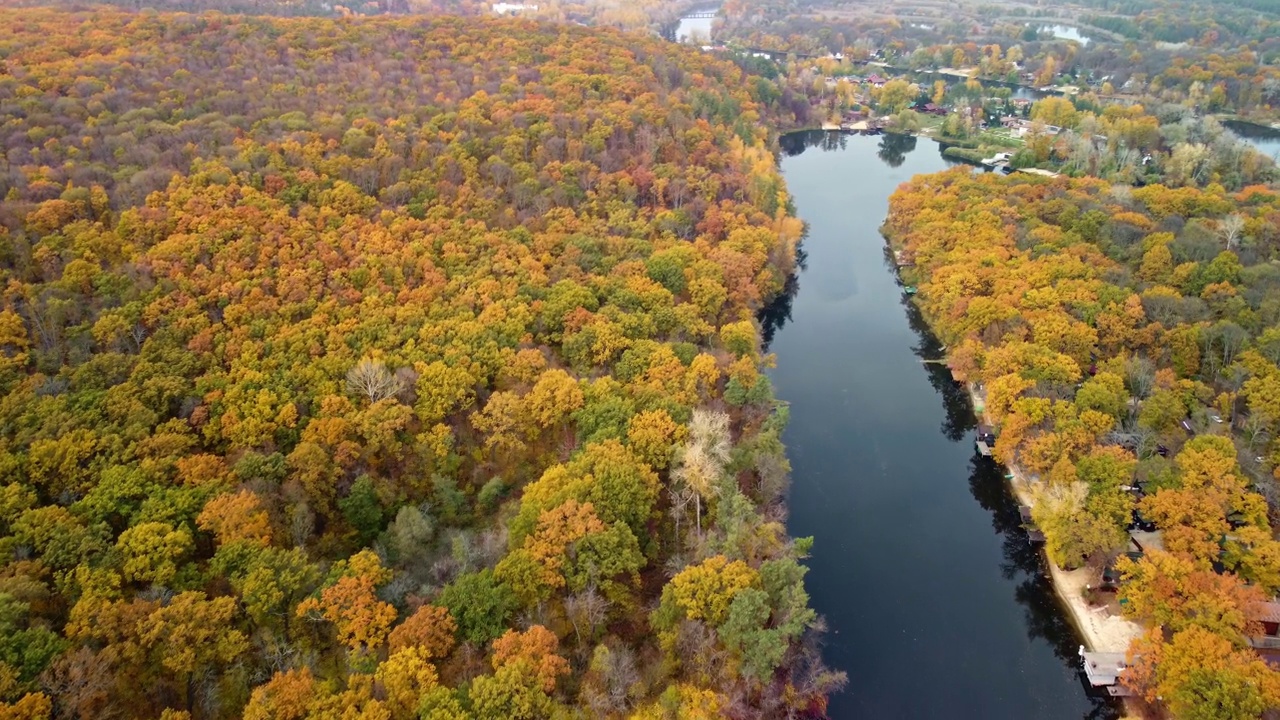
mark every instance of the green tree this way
{"type": "Point", "coordinates": [481, 604]}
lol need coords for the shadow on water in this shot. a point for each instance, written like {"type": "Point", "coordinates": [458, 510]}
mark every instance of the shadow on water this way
{"type": "Point", "coordinates": [1044, 616]}
{"type": "Point", "coordinates": [955, 397]}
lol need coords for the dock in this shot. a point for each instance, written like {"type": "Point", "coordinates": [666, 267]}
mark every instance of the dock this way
{"type": "Point", "coordinates": [1038, 171]}
{"type": "Point", "coordinates": [997, 159]}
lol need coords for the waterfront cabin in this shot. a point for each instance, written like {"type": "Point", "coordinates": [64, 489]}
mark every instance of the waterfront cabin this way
{"type": "Point", "coordinates": [1103, 670]}
{"type": "Point", "coordinates": [1268, 615]}
{"type": "Point", "coordinates": [1033, 533]}
{"type": "Point", "coordinates": [986, 439]}
{"type": "Point", "coordinates": [1111, 576]}
{"type": "Point", "coordinates": [929, 108]}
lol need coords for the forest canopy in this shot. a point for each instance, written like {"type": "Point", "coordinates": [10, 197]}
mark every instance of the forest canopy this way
{"type": "Point", "coordinates": [1124, 341]}
{"type": "Point", "coordinates": [398, 366]}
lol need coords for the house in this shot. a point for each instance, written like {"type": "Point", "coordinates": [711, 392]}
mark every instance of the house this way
{"type": "Point", "coordinates": [1111, 576]}
{"type": "Point", "coordinates": [986, 434]}
{"type": "Point", "coordinates": [876, 81]}
{"type": "Point", "coordinates": [1103, 670]}
{"type": "Point", "coordinates": [1018, 127]}
{"type": "Point", "coordinates": [1266, 614]}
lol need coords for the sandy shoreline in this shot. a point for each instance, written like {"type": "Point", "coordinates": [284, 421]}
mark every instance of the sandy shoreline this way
{"type": "Point", "coordinates": [1098, 629]}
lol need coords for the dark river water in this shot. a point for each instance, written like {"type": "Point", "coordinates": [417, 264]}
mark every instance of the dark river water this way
{"type": "Point", "coordinates": [936, 605]}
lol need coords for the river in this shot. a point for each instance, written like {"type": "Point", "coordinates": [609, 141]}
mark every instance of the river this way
{"type": "Point", "coordinates": [936, 604]}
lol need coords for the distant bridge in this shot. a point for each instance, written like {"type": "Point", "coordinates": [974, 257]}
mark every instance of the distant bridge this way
{"type": "Point", "coordinates": [700, 15]}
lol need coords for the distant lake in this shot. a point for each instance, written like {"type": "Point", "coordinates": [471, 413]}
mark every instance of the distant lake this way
{"type": "Point", "coordinates": [1266, 140]}
{"type": "Point", "coordinates": [692, 26]}
{"type": "Point", "coordinates": [1066, 32]}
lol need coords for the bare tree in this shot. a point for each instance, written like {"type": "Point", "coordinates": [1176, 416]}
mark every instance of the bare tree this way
{"type": "Point", "coordinates": [586, 612]}
{"type": "Point", "coordinates": [1122, 194]}
{"type": "Point", "coordinates": [700, 463]}
{"type": "Point", "coordinates": [614, 681]}
{"type": "Point", "coordinates": [1256, 430]}
{"type": "Point", "coordinates": [1139, 376]}
{"type": "Point", "coordinates": [372, 379]}
{"type": "Point", "coordinates": [1230, 228]}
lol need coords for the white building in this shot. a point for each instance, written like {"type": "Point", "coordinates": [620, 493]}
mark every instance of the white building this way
{"type": "Point", "coordinates": [503, 8]}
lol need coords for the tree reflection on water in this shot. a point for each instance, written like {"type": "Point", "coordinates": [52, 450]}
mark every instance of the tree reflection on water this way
{"type": "Point", "coordinates": [777, 312]}
{"type": "Point", "coordinates": [1023, 562]}
{"type": "Point", "coordinates": [894, 148]}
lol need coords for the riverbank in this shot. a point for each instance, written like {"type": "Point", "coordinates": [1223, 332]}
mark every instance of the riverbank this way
{"type": "Point", "coordinates": [1099, 630]}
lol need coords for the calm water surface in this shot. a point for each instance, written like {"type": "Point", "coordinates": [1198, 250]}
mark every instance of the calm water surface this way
{"type": "Point", "coordinates": [936, 605]}
{"type": "Point", "coordinates": [1066, 32]}
{"type": "Point", "coordinates": [1265, 139]}
{"type": "Point", "coordinates": [697, 29]}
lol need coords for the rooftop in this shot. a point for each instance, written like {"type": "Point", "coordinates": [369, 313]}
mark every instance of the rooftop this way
{"type": "Point", "coordinates": [1148, 540]}
{"type": "Point", "coordinates": [1102, 668]}
{"type": "Point", "coordinates": [1266, 612]}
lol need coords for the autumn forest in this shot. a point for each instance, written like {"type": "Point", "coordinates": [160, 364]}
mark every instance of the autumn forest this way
{"type": "Point", "coordinates": [401, 361]}
{"type": "Point", "coordinates": [389, 368]}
